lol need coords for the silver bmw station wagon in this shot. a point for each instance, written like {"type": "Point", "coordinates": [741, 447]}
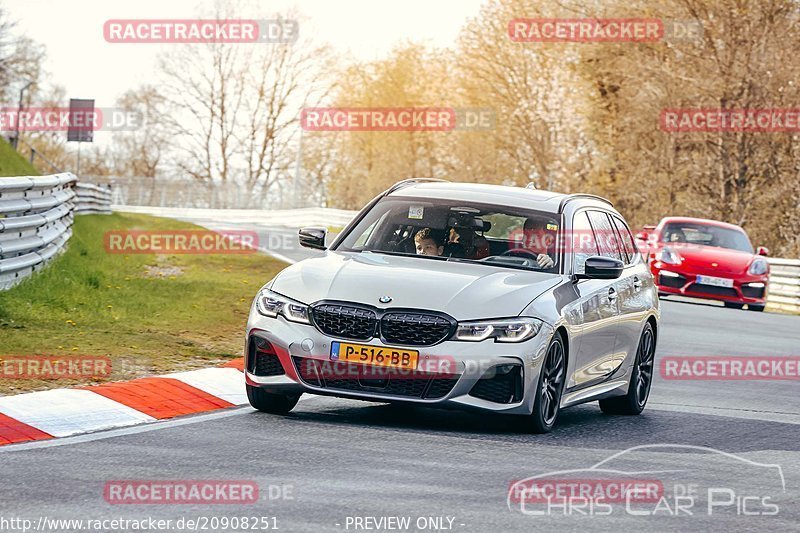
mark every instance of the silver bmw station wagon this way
{"type": "Point", "coordinates": [470, 296]}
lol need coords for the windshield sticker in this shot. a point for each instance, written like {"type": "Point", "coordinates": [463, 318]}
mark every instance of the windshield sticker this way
{"type": "Point", "coordinates": [416, 212]}
{"type": "Point", "coordinates": [552, 227]}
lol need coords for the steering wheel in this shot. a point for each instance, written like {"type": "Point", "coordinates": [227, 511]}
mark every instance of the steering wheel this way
{"type": "Point", "coordinates": [522, 252]}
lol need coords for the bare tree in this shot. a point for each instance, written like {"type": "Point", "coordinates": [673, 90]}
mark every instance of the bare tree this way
{"type": "Point", "coordinates": [235, 108]}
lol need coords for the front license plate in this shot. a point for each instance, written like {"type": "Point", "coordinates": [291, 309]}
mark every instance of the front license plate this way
{"type": "Point", "coordinates": [374, 355]}
{"type": "Point", "coordinates": [716, 282]}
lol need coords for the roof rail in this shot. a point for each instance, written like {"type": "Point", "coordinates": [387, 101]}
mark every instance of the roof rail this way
{"type": "Point", "coordinates": [410, 181]}
{"type": "Point", "coordinates": [578, 196]}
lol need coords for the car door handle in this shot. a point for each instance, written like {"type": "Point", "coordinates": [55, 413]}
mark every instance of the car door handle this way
{"type": "Point", "coordinates": [637, 283]}
{"type": "Point", "coordinates": [612, 294]}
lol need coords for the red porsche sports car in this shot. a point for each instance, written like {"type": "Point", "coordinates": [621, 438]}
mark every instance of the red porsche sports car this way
{"type": "Point", "coordinates": [706, 259]}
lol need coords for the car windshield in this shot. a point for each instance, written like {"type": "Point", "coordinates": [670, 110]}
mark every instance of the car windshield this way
{"type": "Point", "coordinates": [707, 235]}
{"type": "Point", "coordinates": [453, 230]}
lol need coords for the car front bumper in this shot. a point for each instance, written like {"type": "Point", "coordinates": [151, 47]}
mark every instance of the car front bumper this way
{"type": "Point", "coordinates": [747, 289]}
{"type": "Point", "coordinates": [454, 367]}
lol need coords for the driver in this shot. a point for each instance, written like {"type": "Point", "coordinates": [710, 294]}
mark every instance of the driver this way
{"type": "Point", "coordinates": [537, 239]}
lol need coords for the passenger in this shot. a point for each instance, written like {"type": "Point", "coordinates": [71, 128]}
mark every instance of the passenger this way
{"type": "Point", "coordinates": [465, 243]}
{"type": "Point", "coordinates": [428, 242]}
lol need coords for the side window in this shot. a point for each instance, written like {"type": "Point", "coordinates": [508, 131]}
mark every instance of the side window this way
{"type": "Point", "coordinates": [606, 236]}
{"type": "Point", "coordinates": [628, 244]}
{"type": "Point", "coordinates": [584, 243]}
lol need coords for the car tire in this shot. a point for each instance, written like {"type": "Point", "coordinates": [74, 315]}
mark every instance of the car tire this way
{"type": "Point", "coordinates": [757, 308]}
{"type": "Point", "coordinates": [732, 305]}
{"type": "Point", "coordinates": [634, 401]}
{"type": "Point", "coordinates": [549, 387]}
{"type": "Point", "coordinates": [267, 402]}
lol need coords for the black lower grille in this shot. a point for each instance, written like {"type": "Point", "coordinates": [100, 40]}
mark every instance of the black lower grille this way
{"type": "Point", "coordinates": [440, 387]}
{"type": "Point", "coordinates": [262, 359]}
{"type": "Point", "coordinates": [359, 378]}
{"type": "Point", "coordinates": [345, 321]}
{"type": "Point", "coordinates": [268, 365]}
{"type": "Point", "coordinates": [711, 289]}
{"type": "Point", "coordinates": [752, 292]}
{"type": "Point", "coordinates": [672, 282]}
{"type": "Point", "coordinates": [415, 329]}
{"type": "Point", "coordinates": [500, 385]}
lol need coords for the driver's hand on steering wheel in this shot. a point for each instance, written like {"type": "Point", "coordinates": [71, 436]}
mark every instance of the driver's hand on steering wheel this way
{"type": "Point", "coordinates": [545, 261]}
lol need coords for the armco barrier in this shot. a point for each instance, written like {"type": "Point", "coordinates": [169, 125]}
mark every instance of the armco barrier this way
{"type": "Point", "coordinates": [92, 199]}
{"type": "Point", "coordinates": [35, 223]}
{"type": "Point", "coordinates": [784, 284]}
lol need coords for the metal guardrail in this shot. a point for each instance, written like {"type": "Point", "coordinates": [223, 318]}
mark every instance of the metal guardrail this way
{"type": "Point", "coordinates": [784, 284]}
{"type": "Point", "coordinates": [35, 223]}
{"type": "Point", "coordinates": [92, 199]}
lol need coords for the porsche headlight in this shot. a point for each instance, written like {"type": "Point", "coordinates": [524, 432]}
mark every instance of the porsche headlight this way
{"type": "Point", "coordinates": [669, 256]}
{"type": "Point", "coordinates": [758, 267]}
{"type": "Point", "coordinates": [505, 330]}
{"type": "Point", "coordinates": [272, 304]}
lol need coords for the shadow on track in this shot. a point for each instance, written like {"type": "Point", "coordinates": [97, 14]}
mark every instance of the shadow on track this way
{"type": "Point", "coordinates": [579, 426]}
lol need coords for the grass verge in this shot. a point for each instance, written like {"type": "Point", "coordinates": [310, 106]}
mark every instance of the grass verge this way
{"type": "Point", "coordinates": [13, 164]}
{"type": "Point", "coordinates": [148, 314]}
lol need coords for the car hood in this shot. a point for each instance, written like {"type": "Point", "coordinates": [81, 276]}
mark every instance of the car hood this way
{"type": "Point", "coordinates": [462, 290]}
{"type": "Point", "coordinates": [723, 260]}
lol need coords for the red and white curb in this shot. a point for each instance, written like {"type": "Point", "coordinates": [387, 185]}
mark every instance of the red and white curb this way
{"type": "Point", "coordinates": [65, 412]}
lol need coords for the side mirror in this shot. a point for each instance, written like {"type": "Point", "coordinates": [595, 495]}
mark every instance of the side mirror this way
{"type": "Point", "coordinates": [762, 250]}
{"type": "Point", "coordinates": [645, 234]}
{"type": "Point", "coordinates": [313, 238]}
{"type": "Point", "coordinates": [598, 267]}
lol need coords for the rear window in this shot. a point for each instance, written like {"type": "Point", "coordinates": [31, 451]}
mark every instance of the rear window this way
{"type": "Point", "coordinates": [606, 235]}
{"type": "Point", "coordinates": [628, 244]}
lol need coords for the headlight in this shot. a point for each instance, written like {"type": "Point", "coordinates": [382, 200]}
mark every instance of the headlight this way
{"type": "Point", "coordinates": [758, 267]}
{"type": "Point", "coordinates": [272, 304]}
{"type": "Point", "coordinates": [669, 256]}
{"type": "Point", "coordinates": [508, 330]}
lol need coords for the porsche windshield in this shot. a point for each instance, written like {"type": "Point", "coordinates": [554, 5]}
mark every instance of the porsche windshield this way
{"type": "Point", "coordinates": [707, 235]}
{"type": "Point", "coordinates": [459, 231]}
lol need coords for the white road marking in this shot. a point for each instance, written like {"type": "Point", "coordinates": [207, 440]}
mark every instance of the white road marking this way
{"type": "Point", "coordinates": [157, 425]}
{"type": "Point", "coordinates": [64, 412]}
{"type": "Point", "coordinates": [225, 383]}
{"type": "Point", "coordinates": [89, 437]}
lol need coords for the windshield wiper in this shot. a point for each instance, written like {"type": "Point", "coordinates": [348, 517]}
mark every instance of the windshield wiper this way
{"type": "Point", "coordinates": [402, 254]}
{"type": "Point", "coordinates": [460, 260]}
